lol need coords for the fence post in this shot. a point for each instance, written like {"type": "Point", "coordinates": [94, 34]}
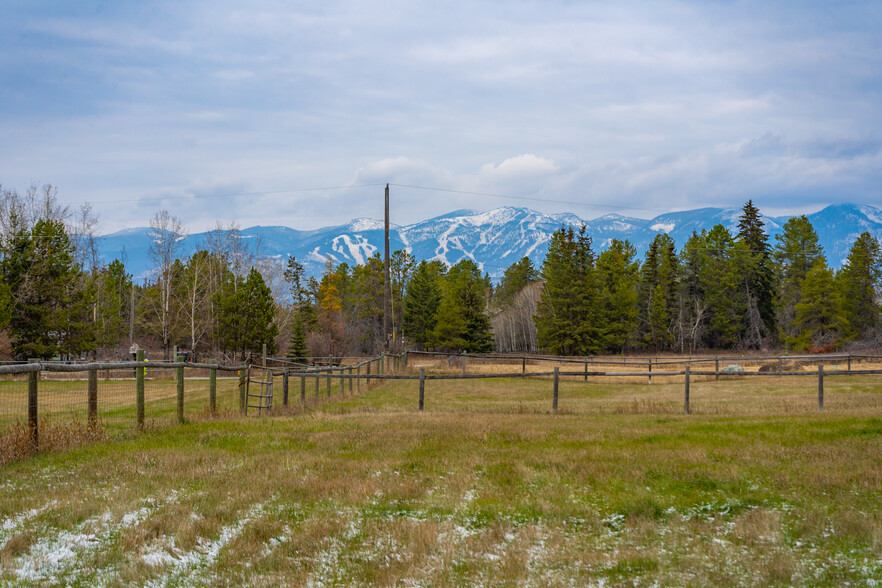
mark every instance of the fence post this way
{"type": "Point", "coordinates": [243, 376]}
{"type": "Point", "coordinates": [212, 388]}
{"type": "Point", "coordinates": [380, 367]}
{"type": "Point", "coordinates": [93, 398]}
{"type": "Point", "coordinates": [716, 368]}
{"type": "Point", "coordinates": [368, 366]}
{"type": "Point", "coordinates": [586, 370]}
{"type": "Point", "coordinates": [285, 387]}
{"type": "Point", "coordinates": [342, 382]}
{"type": "Point", "coordinates": [464, 360]}
{"type": "Point", "coordinates": [263, 356]}
{"type": "Point", "coordinates": [554, 398]}
{"type": "Point", "coordinates": [350, 381]}
{"type": "Point", "coordinates": [849, 362]}
{"type": "Point", "coordinates": [328, 382]}
{"type": "Point", "coordinates": [358, 373]}
{"type": "Point", "coordinates": [317, 377]}
{"type": "Point", "coordinates": [524, 364]}
{"type": "Point", "coordinates": [302, 390]}
{"type": "Point", "coordinates": [139, 389]}
{"type": "Point", "coordinates": [179, 373]}
{"type": "Point", "coordinates": [33, 378]}
{"type": "Point", "coordinates": [422, 387]}
{"type": "Point", "coordinates": [406, 358]}
{"type": "Point", "coordinates": [650, 370]}
{"type": "Point", "coordinates": [820, 387]}
{"type": "Point", "coordinates": [686, 391]}
{"type": "Point", "coordinates": [780, 366]}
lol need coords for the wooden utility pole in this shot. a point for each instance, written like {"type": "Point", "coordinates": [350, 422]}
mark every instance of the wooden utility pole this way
{"type": "Point", "coordinates": [387, 290]}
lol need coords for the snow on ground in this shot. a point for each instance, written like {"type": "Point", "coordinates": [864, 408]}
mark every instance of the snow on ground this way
{"type": "Point", "coordinates": [59, 554]}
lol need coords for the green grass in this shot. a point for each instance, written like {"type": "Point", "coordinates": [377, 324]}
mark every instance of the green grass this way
{"type": "Point", "coordinates": [485, 486]}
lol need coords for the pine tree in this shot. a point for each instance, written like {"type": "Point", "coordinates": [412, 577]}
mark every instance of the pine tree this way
{"type": "Point", "coordinates": [657, 292]}
{"type": "Point", "coordinates": [114, 287]}
{"type": "Point", "coordinates": [759, 273]}
{"type": "Point", "coordinates": [819, 320]}
{"type": "Point", "coordinates": [421, 303]}
{"type": "Point", "coordinates": [246, 312]}
{"type": "Point", "coordinates": [796, 252]}
{"type": "Point", "coordinates": [517, 276]}
{"type": "Point", "coordinates": [859, 279]}
{"type": "Point", "coordinates": [50, 312]}
{"type": "Point", "coordinates": [720, 278]}
{"type": "Point", "coordinates": [568, 316]}
{"type": "Point", "coordinates": [297, 348]}
{"type": "Point", "coordinates": [617, 272]}
{"type": "Point", "coordinates": [462, 322]}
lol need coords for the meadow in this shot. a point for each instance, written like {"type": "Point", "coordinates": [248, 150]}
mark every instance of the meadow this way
{"type": "Point", "coordinates": [484, 487]}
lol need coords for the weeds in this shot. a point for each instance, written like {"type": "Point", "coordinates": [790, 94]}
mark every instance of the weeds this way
{"type": "Point", "coordinates": [17, 440]}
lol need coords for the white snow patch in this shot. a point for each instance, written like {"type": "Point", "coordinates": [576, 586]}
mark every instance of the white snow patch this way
{"type": "Point", "coordinates": [59, 554]}
{"type": "Point", "coordinates": [662, 227]}
{"type": "Point", "coordinates": [358, 248]}
{"type": "Point", "coordinates": [314, 255]}
{"type": "Point", "coordinates": [12, 525]}
{"type": "Point", "coordinates": [167, 554]}
{"type": "Point", "coordinates": [366, 224]}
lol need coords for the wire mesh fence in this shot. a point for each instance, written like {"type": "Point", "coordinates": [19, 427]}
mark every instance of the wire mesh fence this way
{"type": "Point", "coordinates": [109, 393]}
{"type": "Point", "coordinates": [123, 396]}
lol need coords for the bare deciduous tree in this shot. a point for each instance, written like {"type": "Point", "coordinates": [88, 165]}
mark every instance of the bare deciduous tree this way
{"type": "Point", "coordinates": [165, 248]}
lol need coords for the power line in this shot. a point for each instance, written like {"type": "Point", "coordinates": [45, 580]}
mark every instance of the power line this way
{"type": "Point", "coordinates": [235, 194]}
{"type": "Point", "coordinates": [527, 198]}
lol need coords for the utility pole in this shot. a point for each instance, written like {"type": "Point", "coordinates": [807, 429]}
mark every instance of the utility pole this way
{"type": "Point", "coordinates": [387, 290]}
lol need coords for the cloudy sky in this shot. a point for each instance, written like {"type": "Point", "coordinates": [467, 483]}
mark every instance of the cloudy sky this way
{"type": "Point", "coordinates": [297, 113]}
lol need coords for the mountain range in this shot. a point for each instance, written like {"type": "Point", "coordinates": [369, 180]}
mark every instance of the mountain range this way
{"type": "Point", "coordinates": [494, 239]}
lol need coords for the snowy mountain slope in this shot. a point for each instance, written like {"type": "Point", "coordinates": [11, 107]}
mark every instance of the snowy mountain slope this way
{"type": "Point", "coordinates": [494, 239]}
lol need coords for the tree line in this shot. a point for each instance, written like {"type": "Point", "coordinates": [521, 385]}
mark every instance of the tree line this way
{"type": "Point", "coordinates": [58, 299]}
{"type": "Point", "coordinates": [719, 291]}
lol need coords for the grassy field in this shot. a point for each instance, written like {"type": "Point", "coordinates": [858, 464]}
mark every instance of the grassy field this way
{"type": "Point", "coordinates": [485, 487]}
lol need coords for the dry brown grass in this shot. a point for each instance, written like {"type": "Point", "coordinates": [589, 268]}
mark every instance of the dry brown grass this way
{"type": "Point", "coordinates": [16, 440]}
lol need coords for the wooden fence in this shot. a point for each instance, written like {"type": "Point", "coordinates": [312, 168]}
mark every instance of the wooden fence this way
{"type": "Point", "coordinates": [396, 364]}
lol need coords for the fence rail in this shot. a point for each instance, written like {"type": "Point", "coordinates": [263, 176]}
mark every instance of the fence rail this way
{"type": "Point", "coordinates": [197, 387]}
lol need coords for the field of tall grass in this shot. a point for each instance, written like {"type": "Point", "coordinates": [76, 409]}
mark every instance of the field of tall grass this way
{"type": "Point", "coordinates": [484, 487]}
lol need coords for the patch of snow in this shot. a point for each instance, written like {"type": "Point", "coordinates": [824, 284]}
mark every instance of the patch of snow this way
{"type": "Point", "coordinates": [662, 227]}
{"type": "Point", "coordinates": [13, 525]}
{"type": "Point", "coordinates": [366, 224]}
{"type": "Point", "coordinates": [359, 249]}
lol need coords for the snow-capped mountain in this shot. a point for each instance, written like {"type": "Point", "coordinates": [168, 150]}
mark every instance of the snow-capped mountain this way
{"type": "Point", "coordinates": [494, 239]}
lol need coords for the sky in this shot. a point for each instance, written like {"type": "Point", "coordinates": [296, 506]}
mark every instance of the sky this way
{"type": "Point", "coordinates": [298, 113]}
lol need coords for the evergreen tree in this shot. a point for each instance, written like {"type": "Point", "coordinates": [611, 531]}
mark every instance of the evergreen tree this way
{"type": "Point", "coordinates": [517, 276]}
{"type": "Point", "coordinates": [462, 321]}
{"type": "Point", "coordinates": [657, 293]}
{"type": "Point", "coordinates": [297, 348]}
{"type": "Point", "coordinates": [859, 279]}
{"type": "Point", "coordinates": [796, 252]}
{"type": "Point", "coordinates": [720, 278]}
{"type": "Point", "coordinates": [114, 287]}
{"type": "Point", "coordinates": [819, 321]}
{"type": "Point", "coordinates": [421, 303]}
{"type": "Point", "coordinates": [50, 310]}
{"type": "Point", "coordinates": [759, 274]}
{"type": "Point", "coordinates": [365, 309]}
{"type": "Point", "coordinates": [304, 314]}
{"type": "Point", "coordinates": [617, 272]}
{"type": "Point", "coordinates": [246, 315]}
{"type": "Point", "coordinates": [568, 316]}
